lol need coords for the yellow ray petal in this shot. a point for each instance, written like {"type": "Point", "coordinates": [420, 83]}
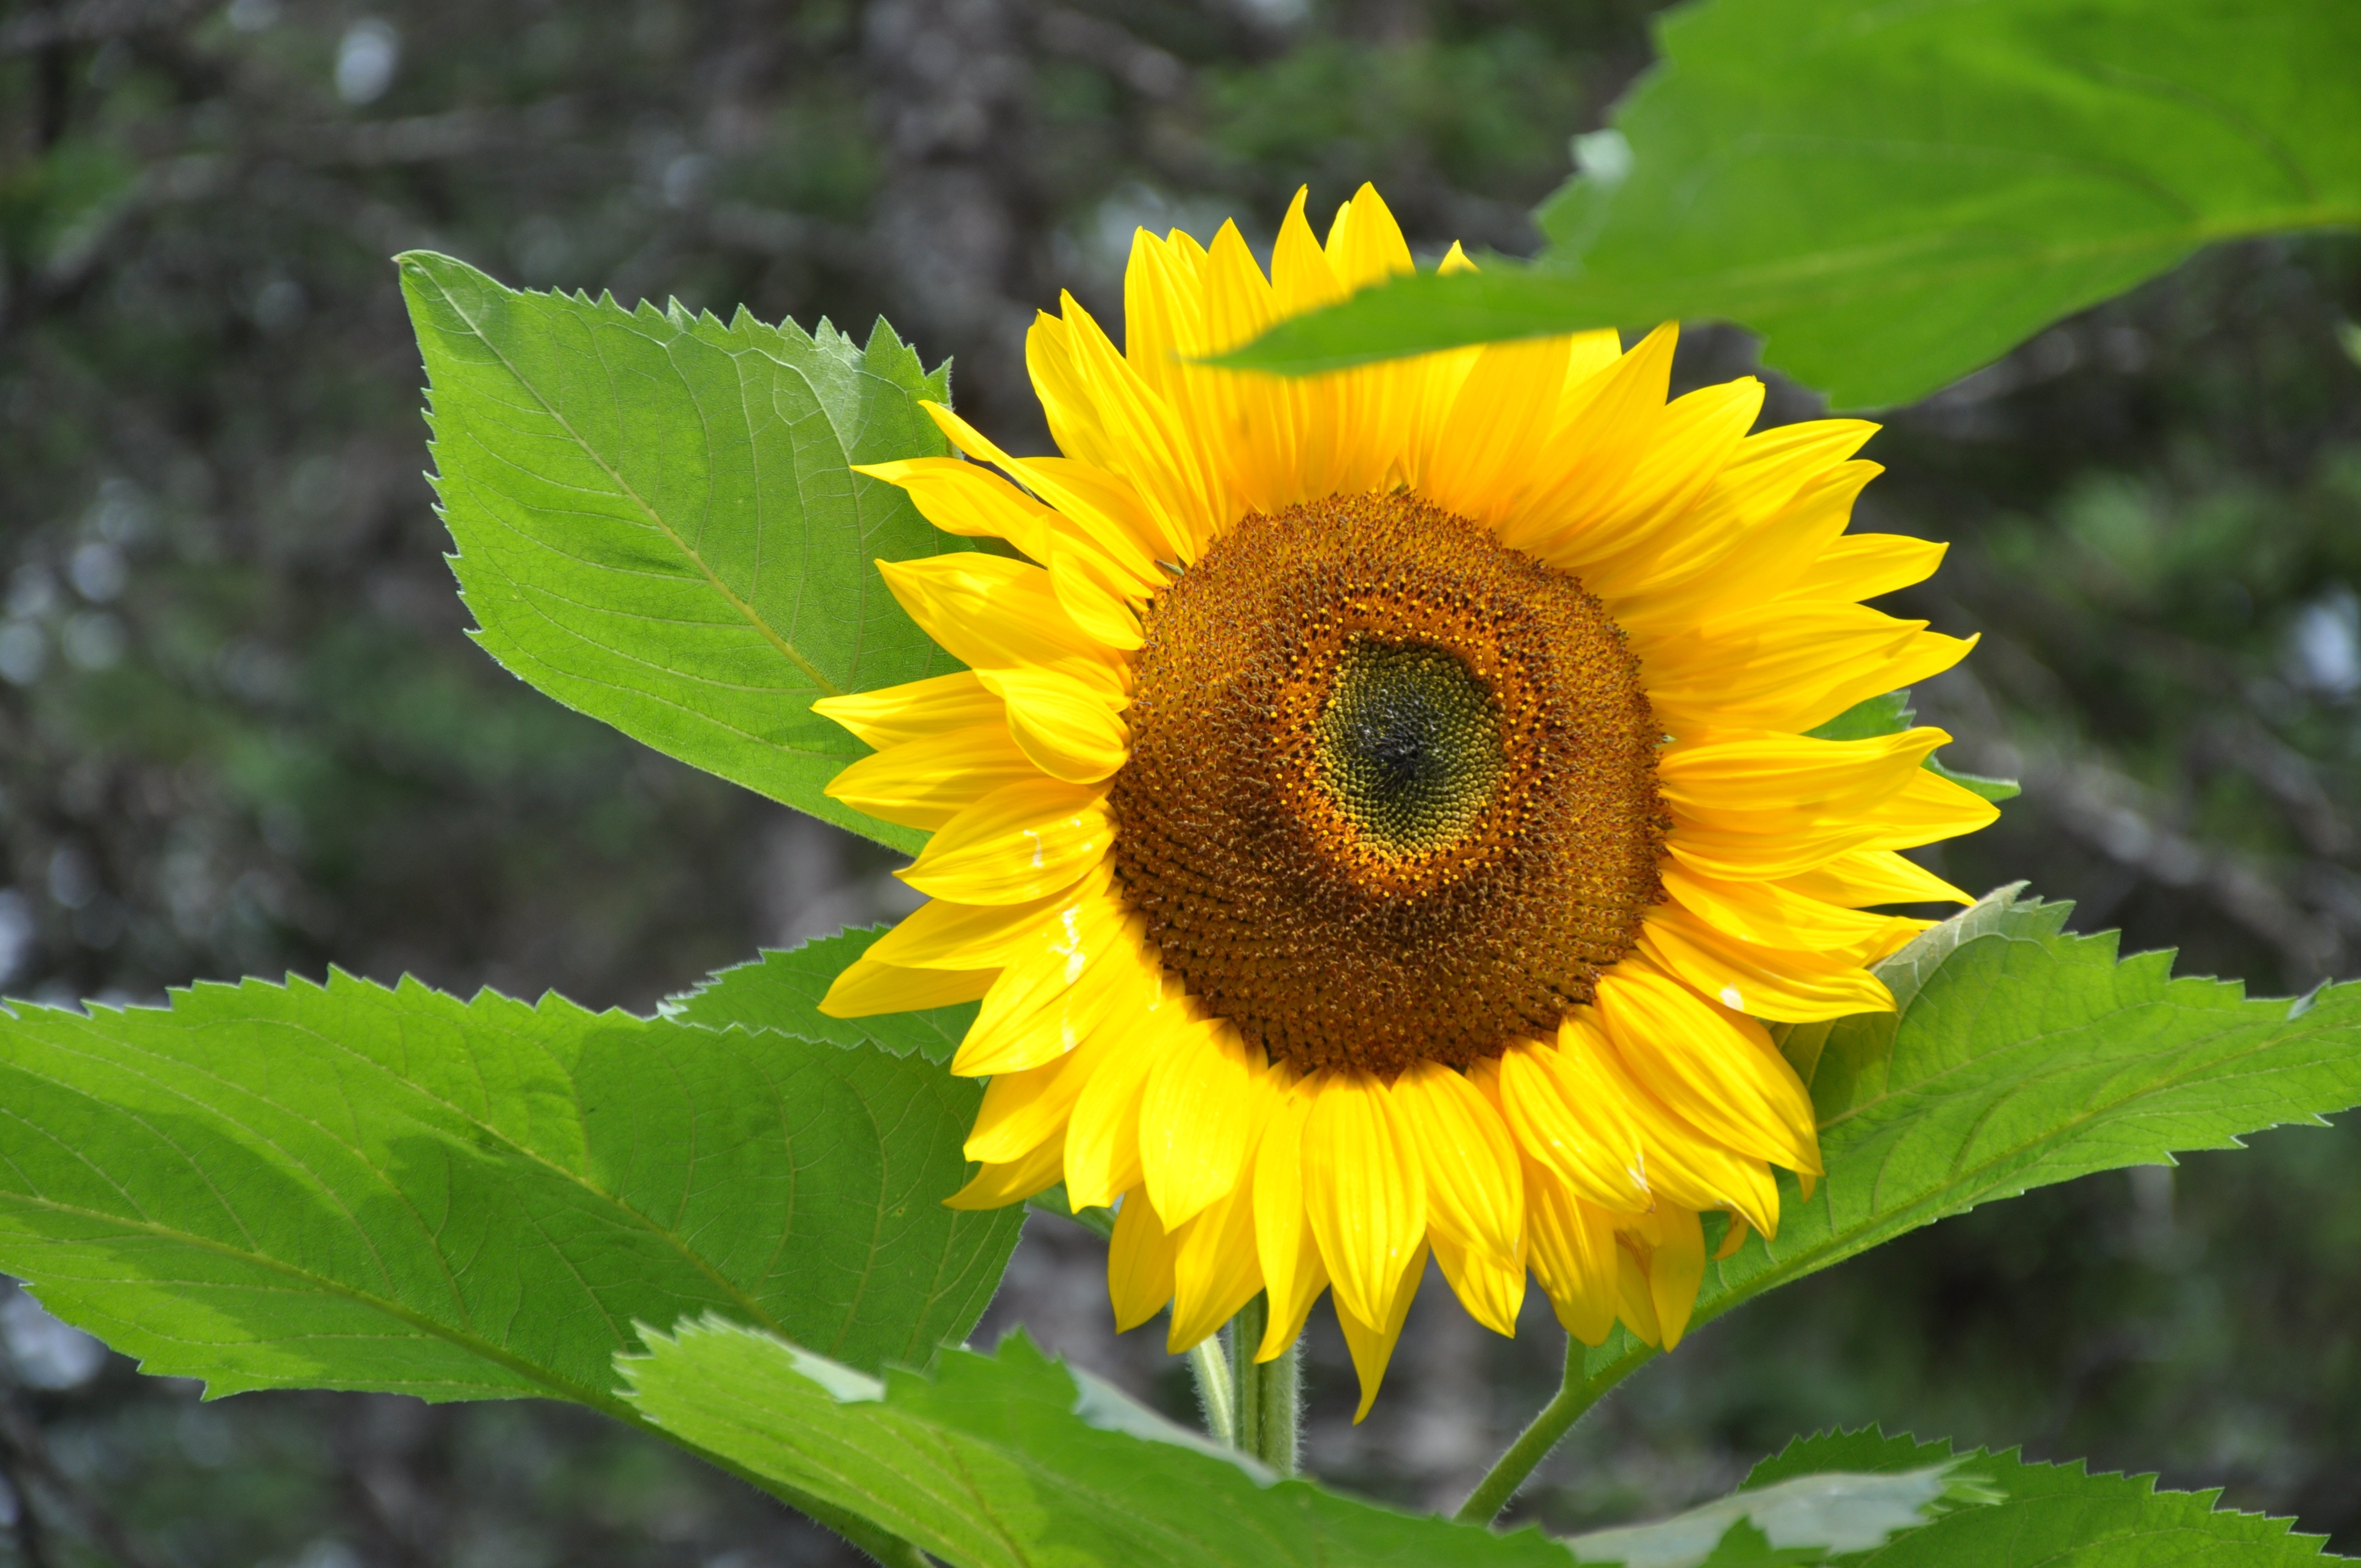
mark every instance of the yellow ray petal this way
{"type": "Point", "coordinates": [1215, 1272]}
{"type": "Point", "coordinates": [995, 614]}
{"type": "Point", "coordinates": [1623, 538]}
{"type": "Point", "coordinates": [1719, 1070]}
{"type": "Point", "coordinates": [1365, 245]}
{"type": "Point", "coordinates": [1043, 1006]}
{"type": "Point", "coordinates": [1092, 595]}
{"type": "Point", "coordinates": [1863, 566]}
{"type": "Point", "coordinates": [1139, 1262]}
{"type": "Point", "coordinates": [926, 783]}
{"type": "Point", "coordinates": [1497, 427]}
{"type": "Point", "coordinates": [1163, 314]}
{"type": "Point", "coordinates": [1364, 1189]}
{"type": "Point", "coordinates": [1677, 1162]}
{"type": "Point", "coordinates": [1768, 983]}
{"type": "Point", "coordinates": [1634, 1303]}
{"type": "Point", "coordinates": [1018, 843]}
{"type": "Point", "coordinates": [942, 934]}
{"type": "Point", "coordinates": [1607, 425]}
{"type": "Point", "coordinates": [1758, 782]}
{"type": "Point", "coordinates": [1756, 559]}
{"type": "Point", "coordinates": [1102, 1137]}
{"type": "Point", "coordinates": [1568, 1118]}
{"type": "Point", "coordinates": [1197, 1119]}
{"type": "Point", "coordinates": [1571, 1248]}
{"type": "Point", "coordinates": [1789, 666]}
{"type": "Point", "coordinates": [1772, 915]}
{"type": "Point", "coordinates": [1492, 1290]}
{"type": "Point", "coordinates": [1874, 876]}
{"type": "Point", "coordinates": [997, 1186]}
{"type": "Point", "coordinates": [1106, 506]}
{"type": "Point", "coordinates": [959, 498]}
{"type": "Point", "coordinates": [867, 988]}
{"type": "Point", "coordinates": [893, 715]}
{"type": "Point", "coordinates": [1373, 1346]}
{"type": "Point", "coordinates": [1292, 1268]}
{"type": "Point", "coordinates": [1158, 455]}
{"type": "Point", "coordinates": [1926, 808]}
{"type": "Point", "coordinates": [1474, 1189]}
{"type": "Point", "coordinates": [1675, 1270]}
{"type": "Point", "coordinates": [1066, 727]}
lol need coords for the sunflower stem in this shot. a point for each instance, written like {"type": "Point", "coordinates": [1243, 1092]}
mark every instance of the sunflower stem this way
{"type": "Point", "coordinates": [1268, 1419]}
{"type": "Point", "coordinates": [1216, 1397]}
{"type": "Point", "coordinates": [1577, 1393]}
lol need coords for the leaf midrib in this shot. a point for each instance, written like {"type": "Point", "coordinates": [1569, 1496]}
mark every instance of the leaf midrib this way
{"type": "Point", "coordinates": [753, 617]}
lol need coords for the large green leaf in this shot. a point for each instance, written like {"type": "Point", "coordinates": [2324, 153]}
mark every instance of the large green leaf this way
{"type": "Point", "coordinates": [1893, 195]}
{"type": "Point", "coordinates": [1812, 1516]}
{"type": "Point", "coordinates": [1014, 1460]}
{"type": "Point", "coordinates": [347, 1186]}
{"type": "Point", "coordinates": [2024, 1055]}
{"type": "Point", "coordinates": [2045, 1514]}
{"type": "Point", "coordinates": [656, 523]}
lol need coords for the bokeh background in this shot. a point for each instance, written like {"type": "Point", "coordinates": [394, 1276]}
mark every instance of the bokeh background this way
{"type": "Point", "coordinates": [242, 730]}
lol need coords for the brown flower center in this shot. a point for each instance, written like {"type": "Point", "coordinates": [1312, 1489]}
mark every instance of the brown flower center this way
{"type": "Point", "coordinates": [1392, 790]}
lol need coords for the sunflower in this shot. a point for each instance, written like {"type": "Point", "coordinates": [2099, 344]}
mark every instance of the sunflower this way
{"type": "Point", "coordinates": [1376, 816]}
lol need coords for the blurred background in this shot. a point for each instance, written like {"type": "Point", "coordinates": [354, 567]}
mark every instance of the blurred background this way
{"type": "Point", "coordinates": [242, 730]}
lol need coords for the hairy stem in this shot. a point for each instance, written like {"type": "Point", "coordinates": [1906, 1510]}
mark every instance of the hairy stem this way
{"type": "Point", "coordinates": [1216, 1397]}
{"type": "Point", "coordinates": [1575, 1394]}
{"type": "Point", "coordinates": [1269, 1419]}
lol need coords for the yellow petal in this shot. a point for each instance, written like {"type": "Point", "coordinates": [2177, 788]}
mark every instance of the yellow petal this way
{"type": "Point", "coordinates": [1788, 666]}
{"type": "Point", "coordinates": [1492, 1290]}
{"type": "Point", "coordinates": [997, 1186]}
{"type": "Point", "coordinates": [1292, 1268]}
{"type": "Point", "coordinates": [1365, 1190]}
{"type": "Point", "coordinates": [1926, 808]}
{"type": "Point", "coordinates": [913, 711]}
{"type": "Point", "coordinates": [1364, 244]}
{"type": "Point", "coordinates": [1139, 1262]}
{"type": "Point", "coordinates": [867, 987]}
{"type": "Point", "coordinates": [1675, 1270]}
{"type": "Point", "coordinates": [1767, 982]}
{"type": "Point", "coordinates": [1568, 1117]}
{"type": "Point", "coordinates": [1068, 727]}
{"type": "Point", "coordinates": [1732, 1238]}
{"type": "Point", "coordinates": [1092, 597]}
{"type": "Point", "coordinates": [1372, 1344]}
{"type": "Point", "coordinates": [1103, 505]}
{"type": "Point", "coordinates": [1874, 876]}
{"type": "Point", "coordinates": [1196, 1119]}
{"type": "Point", "coordinates": [1043, 1006]}
{"type": "Point", "coordinates": [1215, 1271]}
{"type": "Point", "coordinates": [1156, 455]}
{"type": "Point", "coordinates": [1475, 1189]}
{"type": "Point", "coordinates": [1020, 842]}
{"type": "Point", "coordinates": [942, 934]}
{"type": "Point", "coordinates": [1719, 1071]}
{"type": "Point", "coordinates": [997, 614]}
{"type": "Point", "coordinates": [1677, 1161]}
{"type": "Point", "coordinates": [1571, 1248]}
{"type": "Point", "coordinates": [1722, 561]}
{"type": "Point", "coordinates": [959, 498]}
{"type": "Point", "coordinates": [1103, 1138]}
{"type": "Point", "coordinates": [1863, 566]}
{"type": "Point", "coordinates": [1773, 915]}
{"type": "Point", "coordinates": [1607, 424]}
{"type": "Point", "coordinates": [1634, 1303]}
{"type": "Point", "coordinates": [926, 783]}
{"type": "Point", "coordinates": [1495, 428]}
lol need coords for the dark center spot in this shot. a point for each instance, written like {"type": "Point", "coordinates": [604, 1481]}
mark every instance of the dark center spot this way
{"type": "Point", "coordinates": [1408, 746]}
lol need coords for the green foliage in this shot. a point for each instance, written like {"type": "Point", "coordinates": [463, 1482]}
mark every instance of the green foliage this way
{"type": "Point", "coordinates": [2044, 1513]}
{"type": "Point", "coordinates": [656, 523]}
{"type": "Point", "coordinates": [782, 991]}
{"type": "Point", "coordinates": [1891, 198]}
{"type": "Point", "coordinates": [1014, 1461]}
{"type": "Point", "coordinates": [347, 1186]}
{"type": "Point", "coordinates": [2022, 1055]}
{"type": "Point", "coordinates": [1821, 1511]}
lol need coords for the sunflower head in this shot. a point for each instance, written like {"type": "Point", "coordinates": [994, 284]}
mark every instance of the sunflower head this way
{"type": "Point", "coordinates": [1378, 813]}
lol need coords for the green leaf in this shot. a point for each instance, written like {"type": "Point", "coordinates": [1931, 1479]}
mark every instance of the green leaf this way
{"type": "Point", "coordinates": [347, 1186]}
{"type": "Point", "coordinates": [781, 991]}
{"type": "Point", "coordinates": [656, 523]}
{"type": "Point", "coordinates": [1014, 1461]}
{"type": "Point", "coordinates": [2022, 1055]}
{"type": "Point", "coordinates": [1893, 195]}
{"type": "Point", "coordinates": [2045, 1514]}
{"type": "Point", "coordinates": [1890, 715]}
{"type": "Point", "coordinates": [1808, 1518]}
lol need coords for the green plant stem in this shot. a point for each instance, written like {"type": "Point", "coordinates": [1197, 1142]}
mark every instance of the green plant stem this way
{"type": "Point", "coordinates": [1216, 1397]}
{"type": "Point", "coordinates": [1577, 1393]}
{"type": "Point", "coordinates": [1269, 1407]}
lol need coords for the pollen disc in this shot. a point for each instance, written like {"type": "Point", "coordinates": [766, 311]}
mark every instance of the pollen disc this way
{"type": "Point", "coordinates": [1392, 789]}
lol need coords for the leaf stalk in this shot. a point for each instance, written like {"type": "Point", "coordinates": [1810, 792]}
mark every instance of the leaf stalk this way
{"type": "Point", "coordinates": [1578, 1392]}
